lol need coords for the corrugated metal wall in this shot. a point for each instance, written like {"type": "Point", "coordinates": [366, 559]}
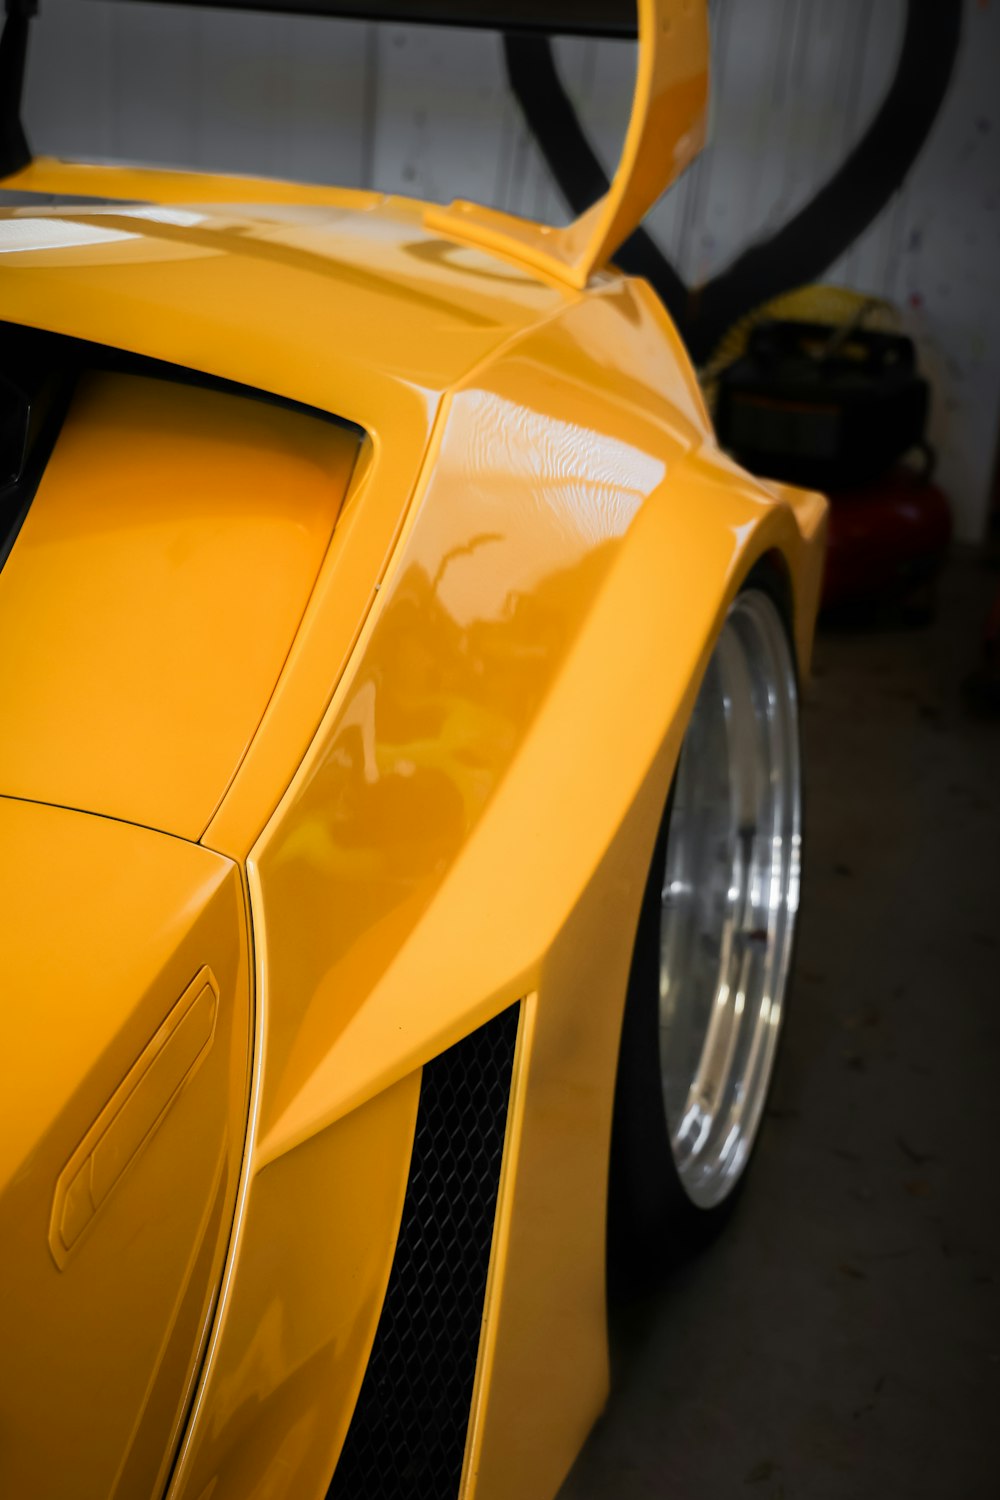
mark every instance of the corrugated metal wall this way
{"type": "Point", "coordinates": [427, 112]}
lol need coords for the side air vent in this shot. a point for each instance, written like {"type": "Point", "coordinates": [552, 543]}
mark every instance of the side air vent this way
{"type": "Point", "coordinates": [406, 1440]}
{"type": "Point", "coordinates": [35, 384]}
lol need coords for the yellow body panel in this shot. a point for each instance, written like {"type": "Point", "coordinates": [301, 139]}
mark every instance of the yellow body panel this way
{"type": "Point", "coordinates": [283, 1383]}
{"type": "Point", "coordinates": [362, 315]}
{"type": "Point", "coordinates": [140, 645]}
{"type": "Point", "coordinates": [47, 175]}
{"type": "Point", "coordinates": [448, 804]}
{"type": "Point", "coordinates": [665, 133]}
{"type": "Point", "coordinates": [549, 556]}
{"type": "Point", "coordinates": [121, 1136]}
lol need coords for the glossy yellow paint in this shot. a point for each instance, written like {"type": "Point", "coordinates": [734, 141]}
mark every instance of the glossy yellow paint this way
{"type": "Point", "coordinates": [332, 1213]}
{"type": "Point", "coordinates": [451, 798]}
{"type": "Point", "coordinates": [362, 314]}
{"type": "Point", "coordinates": [107, 1303]}
{"type": "Point", "coordinates": [112, 1144]}
{"type": "Point", "coordinates": [665, 133]}
{"type": "Point", "coordinates": [356, 310]}
{"type": "Point", "coordinates": [47, 175]}
{"type": "Point", "coordinates": [666, 130]}
{"type": "Point", "coordinates": [133, 667]}
{"type": "Point", "coordinates": [551, 589]}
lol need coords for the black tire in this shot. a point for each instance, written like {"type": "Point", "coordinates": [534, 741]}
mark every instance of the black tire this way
{"type": "Point", "coordinates": [652, 1221]}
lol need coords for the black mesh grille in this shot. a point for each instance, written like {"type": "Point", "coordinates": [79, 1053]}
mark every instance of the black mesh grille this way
{"type": "Point", "coordinates": [406, 1440]}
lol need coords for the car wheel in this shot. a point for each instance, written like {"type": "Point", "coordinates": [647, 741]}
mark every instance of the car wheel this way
{"type": "Point", "coordinates": [709, 980]}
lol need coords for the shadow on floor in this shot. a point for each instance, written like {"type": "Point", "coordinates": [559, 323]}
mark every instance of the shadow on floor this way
{"type": "Point", "coordinates": [843, 1338]}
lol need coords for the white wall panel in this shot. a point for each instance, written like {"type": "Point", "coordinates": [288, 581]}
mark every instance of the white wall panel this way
{"type": "Point", "coordinates": [441, 105]}
{"type": "Point", "coordinates": [427, 112]}
{"type": "Point", "coordinates": [278, 95]}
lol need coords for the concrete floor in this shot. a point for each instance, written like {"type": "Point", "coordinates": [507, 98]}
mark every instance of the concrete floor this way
{"type": "Point", "coordinates": [843, 1338]}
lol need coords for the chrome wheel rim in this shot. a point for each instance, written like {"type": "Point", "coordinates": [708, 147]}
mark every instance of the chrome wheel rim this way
{"type": "Point", "coordinates": [730, 895]}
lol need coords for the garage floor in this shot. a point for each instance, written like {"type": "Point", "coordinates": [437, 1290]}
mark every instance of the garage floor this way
{"type": "Point", "coordinates": [843, 1339]}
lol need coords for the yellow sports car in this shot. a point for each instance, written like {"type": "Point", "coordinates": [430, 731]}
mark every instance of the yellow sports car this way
{"type": "Point", "coordinates": [399, 816]}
